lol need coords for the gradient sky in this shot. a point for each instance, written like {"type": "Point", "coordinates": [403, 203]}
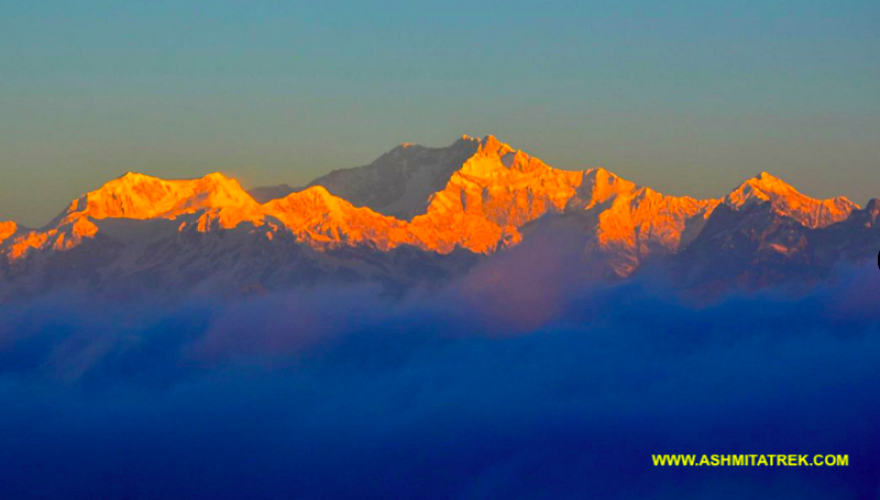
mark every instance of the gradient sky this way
{"type": "Point", "coordinates": [687, 97]}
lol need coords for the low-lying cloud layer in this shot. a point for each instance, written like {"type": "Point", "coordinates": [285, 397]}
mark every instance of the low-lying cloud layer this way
{"type": "Point", "coordinates": [516, 382]}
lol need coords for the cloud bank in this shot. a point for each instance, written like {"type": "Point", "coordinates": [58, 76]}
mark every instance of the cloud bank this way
{"type": "Point", "coordinates": [522, 380]}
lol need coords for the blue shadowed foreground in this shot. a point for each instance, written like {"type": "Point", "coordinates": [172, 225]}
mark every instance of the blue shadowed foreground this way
{"type": "Point", "coordinates": [485, 390]}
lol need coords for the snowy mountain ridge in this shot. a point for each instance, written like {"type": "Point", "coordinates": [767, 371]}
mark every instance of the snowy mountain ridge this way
{"type": "Point", "coordinates": [477, 195]}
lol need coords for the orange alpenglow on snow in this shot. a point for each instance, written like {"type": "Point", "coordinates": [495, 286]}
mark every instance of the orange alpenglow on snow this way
{"type": "Point", "coordinates": [496, 191]}
{"type": "Point", "coordinates": [632, 222]}
{"type": "Point", "coordinates": [323, 220]}
{"type": "Point", "coordinates": [499, 190]}
{"type": "Point", "coordinates": [220, 201]}
{"type": "Point", "coordinates": [787, 201]}
{"type": "Point", "coordinates": [138, 196]}
{"type": "Point", "coordinates": [476, 194]}
{"type": "Point", "coordinates": [7, 229]}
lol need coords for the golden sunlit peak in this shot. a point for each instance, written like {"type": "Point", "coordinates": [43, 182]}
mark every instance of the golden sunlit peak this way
{"type": "Point", "coordinates": [600, 185]}
{"type": "Point", "coordinates": [7, 229]}
{"type": "Point", "coordinates": [139, 177]}
{"type": "Point", "coordinates": [314, 192]}
{"type": "Point", "coordinates": [599, 178]}
{"type": "Point", "coordinates": [139, 196]}
{"type": "Point", "coordinates": [313, 200]}
{"type": "Point", "coordinates": [135, 176]}
{"type": "Point", "coordinates": [786, 200]}
{"type": "Point", "coordinates": [218, 178]}
{"type": "Point", "coordinates": [769, 180]}
{"type": "Point", "coordinates": [760, 187]}
{"type": "Point", "coordinates": [491, 144]}
{"type": "Point", "coordinates": [601, 173]}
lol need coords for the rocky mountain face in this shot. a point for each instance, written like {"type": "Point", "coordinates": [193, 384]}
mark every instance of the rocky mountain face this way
{"type": "Point", "coordinates": [419, 215]}
{"type": "Point", "coordinates": [760, 245]}
{"type": "Point", "coordinates": [856, 239]}
{"type": "Point", "coordinates": [400, 182]}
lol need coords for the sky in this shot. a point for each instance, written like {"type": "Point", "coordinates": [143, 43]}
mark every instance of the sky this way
{"type": "Point", "coordinates": [686, 97]}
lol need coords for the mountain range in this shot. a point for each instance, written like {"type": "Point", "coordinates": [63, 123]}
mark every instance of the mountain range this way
{"type": "Point", "coordinates": [422, 215]}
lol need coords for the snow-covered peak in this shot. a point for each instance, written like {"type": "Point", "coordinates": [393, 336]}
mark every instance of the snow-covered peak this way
{"type": "Point", "coordinates": [139, 196]}
{"type": "Point", "coordinates": [323, 220]}
{"type": "Point", "coordinates": [599, 186]}
{"type": "Point", "coordinates": [788, 201]}
{"type": "Point", "coordinates": [7, 229]}
{"type": "Point", "coordinates": [213, 202]}
{"type": "Point", "coordinates": [311, 201]}
{"type": "Point", "coordinates": [491, 145]}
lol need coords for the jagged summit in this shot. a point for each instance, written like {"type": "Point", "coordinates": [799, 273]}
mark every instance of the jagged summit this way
{"type": "Point", "coordinates": [598, 186]}
{"type": "Point", "coordinates": [491, 145]}
{"type": "Point", "coordinates": [500, 190]}
{"type": "Point", "coordinates": [766, 177]}
{"type": "Point", "coordinates": [788, 201]}
{"type": "Point", "coordinates": [323, 220]}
